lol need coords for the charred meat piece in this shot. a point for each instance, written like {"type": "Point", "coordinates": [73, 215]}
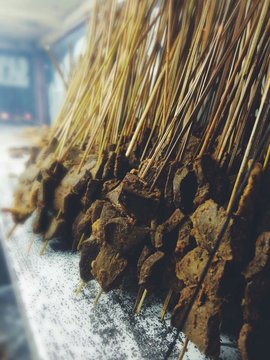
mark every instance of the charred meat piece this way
{"type": "Point", "coordinates": [71, 186]}
{"type": "Point", "coordinates": [108, 170]}
{"type": "Point", "coordinates": [211, 181]}
{"type": "Point", "coordinates": [146, 252]}
{"type": "Point", "coordinates": [253, 342]}
{"type": "Point", "coordinates": [23, 205]}
{"type": "Point", "coordinates": [96, 209]}
{"type": "Point", "coordinates": [125, 237]}
{"type": "Point", "coordinates": [185, 241]}
{"type": "Point", "coordinates": [184, 188]}
{"type": "Point", "coordinates": [257, 292]}
{"type": "Point", "coordinates": [91, 193]}
{"type": "Point", "coordinates": [46, 190]}
{"type": "Point", "coordinates": [89, 252]}
{"type": "Point", "coordinates": [121, 166]}
{"type": "Point", "coordinates": [254, 335]}
{"type": "Point", "coordinates": [29, 176]}
{"type": "Point", "coordinates": [163, 232]}
{"type": "Point", "coordinates": [261, 262]}
{"type": "Point", "coordinates": [208, 220]}
{"type": "Point", "coordinates": [249, 200]}
{"type": "Point", "coordinates": [107, 212]}
{"type": "Point", "coordinates": [40, 220]}
{"type": "Point", "coordinates": [81, 227]}
{"type": "Point", "coordinates": [150, 270]}
{"type": "Point", "coordinates": [26, 195]}
{"type": "Point", "coordinates": [189, 269]}
{"type": "Point", "coordinates": [135, 197]}
{"type": "Point", "coordinates": [110, 185]}
{"type": "Point", "coordinates": [203, 323]}
{"type": "Point", "coordinates": [168, 189]}
{"type": "Point", "coordinates": [109, 268]}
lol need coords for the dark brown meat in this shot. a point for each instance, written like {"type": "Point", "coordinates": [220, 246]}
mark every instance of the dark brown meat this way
{"type": "Point", "coordinates": [146, 252]}
{"type": "Point", "coordinates": [46, 190]}
{"type": "Point", "coordinates": [184, 188]}
{"type": "Point", "coordinates": [109, 166]}
{"type": "Point", "coordinates": [108, 268]}
{"type": "Point", "coordinates": [150, 270]}
{"type": "Point", "coordinates": [253, 342]}
{"type": "Point", "coordinates": [81, 227]}
{"type": "Point", "coordinates": [92, 192]}
{"type": "Point", "coordinates": [135, 197]}
{"type": "Point", "coordinates": [121, 165]}
{"type": "Point", "coordinates": [211, 181]}
{"type": "Point", "coordinates": [125, 237]}
{"type": "Point", "coordinates": [189, 268]}
{"type": "Point", "coordinates": [255, 335]}
{"type": "Point", "coordinates": [72, 186]}
{"type": "Point", "coordinates": [249, 200]}
{"type": "Point", "coordinates": [161, 235]}
{"type": "Point", "coordinates": [203, 323]}
{"type": "Point", "coordinates": [89, 252]}
{"type": "Point", "coordinates": [185, 241]}
{"type": "Point", "coordinates": [109, 185]}
{"type": "Point", "coordinates": [40, 220]}
{"type": "Point", "coordinates": [261, 262]}
{"type": "Point", "coordinates": [208, 220]}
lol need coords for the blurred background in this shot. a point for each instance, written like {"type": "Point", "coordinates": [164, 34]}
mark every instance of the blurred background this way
{"type": "Point", "coordinates": [40, 41]}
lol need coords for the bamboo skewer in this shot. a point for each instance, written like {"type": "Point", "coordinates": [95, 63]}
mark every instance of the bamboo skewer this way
{"type": "Point", "coordinates": [140, 304]}
{"type": "Point", "coordinates": [100, 292]}
{"type": "Point", "coordinates": [80, 287]}
{"type": "Point", "coordinates": [166, 303]}
{"type": "Point", "coordinates": [184, 349]}
{"type": "Point", "coordinates": [30, 245]}
{"type": "Point", "coordinates": [11, 231]}
{"type": "Point", "coordinates": [44, 247]}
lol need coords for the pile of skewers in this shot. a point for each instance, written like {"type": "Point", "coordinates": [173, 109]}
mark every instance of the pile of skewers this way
{"type": "Point", "coordinates": [157, 168]}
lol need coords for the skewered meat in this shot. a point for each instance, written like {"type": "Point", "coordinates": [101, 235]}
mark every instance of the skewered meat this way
{"type": "Point", "coordinates": [163, 232]}
{"type": "Point", "coordinates": [185, 241]}
{"type": "Point", "coordinates": [125, 238]}
{"type": "Point", "coordinates": [211, 181]}
{"type": "Point", "coordinates": [89, 252]}
{"type": "Point", "coordinates": [108, 171]}
{"type": "Point", "coordinates": [254, 335]}
{"type": "Point", "coordinates": [208, 220]}
{"type": "Point", "coordinates": [146, 252]}
{"type": "Point", "coordinates": [40, 220]}
{"type": "Point", "coordinates": [249, 199]}
{"type": "Point", "coordinates": [108, 268]}
{"type": "Point", "coordinates": [203, 323]}
{"type": "Point", "coordinates": [184, 188]}
{"type": "Point", "coordinates": [92, 192]}
{"type": "Point", "coordinates": [150, 269]}
{"type": "Point", "coordinates": [135, 197]}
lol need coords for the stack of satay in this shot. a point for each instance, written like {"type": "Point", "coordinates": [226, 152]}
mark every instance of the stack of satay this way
{"type": "Point", "coordinates": [166, 114]}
